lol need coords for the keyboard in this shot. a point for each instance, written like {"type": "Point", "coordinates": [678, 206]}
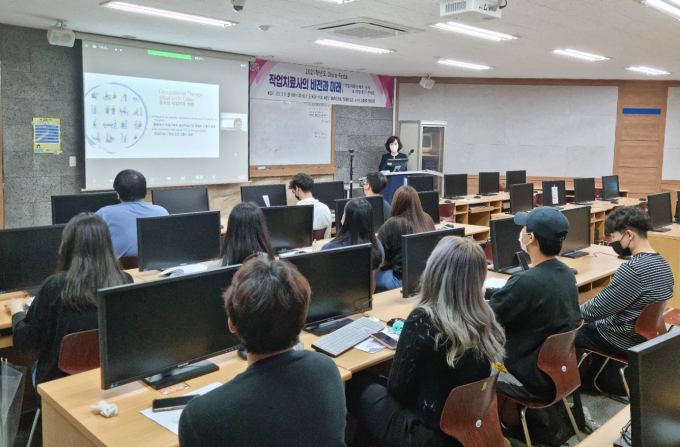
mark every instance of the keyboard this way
{"type": "Point", "coordinates": [347, 337]}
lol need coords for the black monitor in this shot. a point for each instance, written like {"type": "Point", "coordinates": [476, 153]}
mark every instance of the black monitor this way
{"type": "Point", "coordinates": [290, 226]}
{"type": "Point", "coordinates": [455, 186]}
{"type": "Point", "coordinates": [505, 235]}
{"type": "Point", "coordinates": [336, 295]}
{"type": "Point", "coordinates": [158, 330]}
{"type": "Point", "coordinates": [421, 183]}
{"type": "Point", "coordinates": [578, 237]}
{"type": "Point", "coordinates": [276, 194]}
{"type": "Point", "coordinates": [328, 192]}
{"type": "Point", "coordinates": [677, 208]}
{"type": "Point", "coordinates": [489, 183]}
{"type": "Point", "coordinates": [584, 190]}
{"type": "Point", "coordinates": [397, 165]}
{"type": "Point", "coordinates": [66, 206]}
{"type": "Point", "coordinates": [377, 203]}
{"type": "Point", "coordinates": [654, 382]}
{"type": "Point", "coordinates": [554, 193]}
{"type": "Point", "coordinates": [182, 200]}
{"type": "Point", "coordinates": [415, 251]}
{"type": "Point", "coordinates": [430, 203]}
{"type": "Point", "coordinates": [521, 197]}
{"type": "Point", "coordinates": [659, 209]}
{"type": "Point", "coordinates": [514, 178]}
{"type": "Point", "coordinates": [610, 187]}
{"type": "Point", "coordinates": [28, 256]}
{"type": "Point", "coordinates": [177, 239]}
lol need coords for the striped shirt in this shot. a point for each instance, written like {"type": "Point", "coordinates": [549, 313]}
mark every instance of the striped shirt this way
{"type": "Point", "coordinates": [646, 278]}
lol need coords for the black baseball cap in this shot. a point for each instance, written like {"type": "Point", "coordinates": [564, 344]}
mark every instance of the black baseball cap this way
{"type": "Point", "coordinates": [546, 222]}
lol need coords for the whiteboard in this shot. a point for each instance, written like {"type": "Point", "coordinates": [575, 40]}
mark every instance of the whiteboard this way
{"type": "Point", "coordinates": [289, 133]}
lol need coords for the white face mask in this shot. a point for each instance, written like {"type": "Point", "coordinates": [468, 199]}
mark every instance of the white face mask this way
{"type": "Point", "coordinates": [394, 148]}
{"type": "Point", "coordinates": [522, 244]}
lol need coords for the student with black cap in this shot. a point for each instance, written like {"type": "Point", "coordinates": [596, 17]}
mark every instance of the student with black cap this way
{"type": "Point", "coordinates": [535, 304]}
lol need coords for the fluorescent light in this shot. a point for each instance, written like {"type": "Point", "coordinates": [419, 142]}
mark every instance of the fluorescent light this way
{"type": "Point", "coordinates": [647, 70]}
{"type": "Point", "coordinates": [339, 1]}
{"type": "Point", "coordinates": [351, 46]}
{"type": "Point", "coordinates": [463, 64]}
{"type": "Point", "coordinates": [473, 31]}
{"type": "Point", "coordinates": [129, 7]}
{"type": "Point", "coordinates": [670, 7]}
{"type": "Point", "coordinates": [580, 55]}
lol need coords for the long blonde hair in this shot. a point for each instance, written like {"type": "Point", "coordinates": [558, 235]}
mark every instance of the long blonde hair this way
{"type": "Point", "coordinates": [451, 293]}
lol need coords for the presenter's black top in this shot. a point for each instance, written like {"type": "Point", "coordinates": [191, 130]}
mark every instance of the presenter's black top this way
{"type": "Point", "coordinates": [46, 324]}
{"type": "Point", "coordinates": [386, 157]}
{"type": "Point", "coordinates": [532, 306]}
{"type": "Point", "coordinates": [293, 399]}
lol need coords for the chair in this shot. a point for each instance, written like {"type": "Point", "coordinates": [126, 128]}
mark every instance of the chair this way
{"type": "Point", "coordinates": [557, 358]}
{"type": "Point", "coordinates": [538, 200]}
{"type": "Point", "coordinates": [471, 414]}
{"type": "Point", "coordinates": [650, 324]}
{"type": "Point", "coordinates": [318, 235]}
{"type": "Point", "coordinates": [502, 187]}
{"type": "Point", "coordinates": [129, 262]}
{"type": "Point", "coordinates": [446, 212]}
{"type": "Point", "coordinates": [671, 316]}
{"type": "Point", "coordinates": [598, 193]}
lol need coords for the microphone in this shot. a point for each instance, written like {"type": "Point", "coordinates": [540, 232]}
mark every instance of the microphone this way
{"type": "Point", "coordinates": [412, 151]}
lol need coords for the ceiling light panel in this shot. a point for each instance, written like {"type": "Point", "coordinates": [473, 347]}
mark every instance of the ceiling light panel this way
{"type": "Point", "coordinates": [129, 7]}
{"type": "Point", "coordinates": [351, 46]}
{"type": "Point", "coordinates": [337, 2]}
{"type": "Point", "coordinates": [580, 55]}
{"type": "Point", "coordinates": [648, 71]}
{"type": "Point", "coordinates": [670, 7]}
{"type": "Point", "coordinates": [473, 31]}
{"type": "Point", "coordinates": [463, 64]}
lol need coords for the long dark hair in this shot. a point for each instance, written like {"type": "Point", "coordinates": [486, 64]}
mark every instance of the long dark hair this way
{"type": "Point", "coordinates": [86, 255]}
{"type": "Point", "coordinates": [357, 228]}
{"type": "Point", "coordinates": [406, 217]}
{"type": "Point", "coordinates": [247, 233]}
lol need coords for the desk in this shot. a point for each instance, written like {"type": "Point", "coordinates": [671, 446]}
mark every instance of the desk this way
{"type": "Point", "coordinates": [609, 432]}
{"type": "Point", "coordinates": [668, 245]}
{"type": "Point", "coordinates": [472, 211]}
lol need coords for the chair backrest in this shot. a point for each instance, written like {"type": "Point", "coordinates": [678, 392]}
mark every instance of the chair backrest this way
{"type": "Point", "coordinates": [319, 234]}
{"type": "Point", "coordinates": [538, 200]}
{"type": "Point", "coordinates": [557, 359]}
{"type": "Point", "coordinates": [471, 414]}
{"type": "Point", "coordinates": [79, 352]}
{"type": "Point", "coordinates": [650, 323]}
{"type": "Point", "coordinates": [446, 211]}
{"type": "Point", "coordinates": [502, 187]}
{"type": "Point", "coordinates": [598, 193]}
{"type": "Point", "coordinates": [129, 262]}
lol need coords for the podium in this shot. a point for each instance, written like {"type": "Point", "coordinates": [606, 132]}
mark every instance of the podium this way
{"type": "Point", "coordinates": [395, 180]}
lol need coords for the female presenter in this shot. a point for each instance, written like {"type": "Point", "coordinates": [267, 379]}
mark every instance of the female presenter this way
{"type": "Point", "coordinates": [392, 146]}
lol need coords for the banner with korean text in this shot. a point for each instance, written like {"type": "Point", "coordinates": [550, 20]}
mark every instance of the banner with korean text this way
{"type": "Point", "coordinates": [281, 81]}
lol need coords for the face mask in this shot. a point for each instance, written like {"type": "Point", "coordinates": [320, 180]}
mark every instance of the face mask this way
{"type": "Point", "coordinates": [618, 248]}
{"type": "Point", "coordinates": [394, 148]}
{"type": "Point", "coordinates": [522, 244]}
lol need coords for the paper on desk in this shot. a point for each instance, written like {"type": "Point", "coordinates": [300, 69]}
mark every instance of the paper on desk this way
{"type": "Point", "coordinates": [371, 346]}
{"type": "Point", "coordinates": [495, 283]}
{"type": "Point", "coordinates": [170, 419]}
{"type": "Point", "coordinates": [184, 270]}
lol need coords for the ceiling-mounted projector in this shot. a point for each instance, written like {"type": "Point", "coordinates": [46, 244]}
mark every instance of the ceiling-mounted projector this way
{"type": "Point", "coordinates": [471, 10]}
{"type": "Point", "coordinates": [60, 35]}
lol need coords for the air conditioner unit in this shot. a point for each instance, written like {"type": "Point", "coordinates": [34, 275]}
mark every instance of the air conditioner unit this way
{"type": "Point", "coordinates": [471, 10]}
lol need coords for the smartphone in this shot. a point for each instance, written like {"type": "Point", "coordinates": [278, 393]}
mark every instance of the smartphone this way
{"type": "Point", "coordinates": [171, 403]}
{"type": "Point", "coordinates": [384, 340]}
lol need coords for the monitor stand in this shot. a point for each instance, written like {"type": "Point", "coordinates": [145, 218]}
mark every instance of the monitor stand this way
{"type": "Point", "coordinates": [623, 441]}
{"type": "Point", "coordinates": [575, 254]}
{"type": "Point", "coordinates": [487, 194]}
{"type": "Point", "coordinates": [661, 229]}
{"type": "Point", "coordinates": [327, 327]}
{"type": "Point", "coordinates": [454, 197]}
{"type": "Point", "coordinates": [181, 374]}
{"type": "Point", "coordinates": [511, 270]}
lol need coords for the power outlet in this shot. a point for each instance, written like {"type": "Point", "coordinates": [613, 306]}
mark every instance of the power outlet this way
{"type": "Point", "coordinates": [72, 161]}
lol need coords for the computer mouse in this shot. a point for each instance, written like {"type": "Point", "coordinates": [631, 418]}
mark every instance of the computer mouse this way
{"type": "Point", "coordinates": [575, 271]}
{"type": "Point", "coordinates": [478, 197]}
{"type": "Point", "coordinates": [242, 352]}
{"type": "Point", "coordinates": [447, 201]}
{"type": "Point", "coordinates": [642, 199]}
{"type": "Point", "coordinates": [614, 201]}
{"type": "Point", "coordinates": [394, 320]}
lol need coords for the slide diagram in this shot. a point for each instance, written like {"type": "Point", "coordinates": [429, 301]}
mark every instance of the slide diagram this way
{"type": "Point", "coordinates": [128, 117]}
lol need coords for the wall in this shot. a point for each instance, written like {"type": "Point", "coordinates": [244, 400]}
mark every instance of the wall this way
{"type": "Point", "coordinates": [671, 155]}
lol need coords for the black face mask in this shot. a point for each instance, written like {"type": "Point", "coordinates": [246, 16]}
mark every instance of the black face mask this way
{"type": "Point", "coordinates": [616, 245]}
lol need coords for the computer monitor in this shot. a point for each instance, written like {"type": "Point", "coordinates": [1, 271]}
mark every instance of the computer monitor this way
{"type": "Point", "coordinates": [554, 193]}
{"type": "Point", "coordinates": [290, 226]}
{"type": "Point", "coordinates": [28, 256]}
{"type": "Point", "coordinates": [377, 203]}
{"type": "Point", "coordinates": [455, 185]}
{"type": "Point", "coordinates": [514, 178]}
{"type": "Point", "coordinates": [421, 183]}
{"type": "Point", "coordinates": [489, 183]}
{"type": "Point", "coordinates": [341, 280]}
{"type": "Point", "coordinates": [328, 192]}
{"type": "Point", "coordinates": [521, 197]}
{"type": "Point", "coordinates": [66, 206]}
{"type": "Point", "coordinates": [415, 251]}
{"type": "Point", "coordinates": [182, 200]}
{"type": "Point", "coordinates": [177, 239]}
{"type": "Point", "coordinates": [158, 330]}
{"type": "Point", "coordinates": [659, 209]}
{"type": "Point", "coordinates": [654, 382]}
{"type": "Point", "coordinates": [578, 237]}
{"type": "Point", "coordinates": [397, 165]}
{"type": "Point", "coordinates": [584, 190]}
{"type": "Point", "coordinates": [677, 208]}
{"type": "Point", "coordinates": [275, 194]}
{"type": "Point", "coordinates": [430, 203]}
{"type": "Point", "coordinates": [504, 244]}
{"type": "Point", "coordinates": [610, 187]}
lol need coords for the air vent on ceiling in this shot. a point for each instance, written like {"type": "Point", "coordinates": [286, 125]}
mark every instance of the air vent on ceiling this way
{"type": "Point", "coordinates": [363, 28]}
{"type": "Point", "coordinates": [455, 7]}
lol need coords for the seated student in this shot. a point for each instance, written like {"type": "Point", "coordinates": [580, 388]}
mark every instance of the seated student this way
{"type": "Point", "coordinates": [450, 339]}
{"type": "Point", "coordinates": [67, 300]}
{"type": "Point", "coordinates": [301, 185]}
{"type": "Point", "coordinates": [247, 234]}
{"type": "Point", "coordinates": [285, 397]}
{"type": "Point", "coordinates": [122, 218]}
{"type": "Point", "coordinates": [407, 217]}
{"type": "Point", "coordinates": [647, 278]}
{"type": "Point", "coordinates": [535, 304]}
{"type": "Point", "coordinates": [373, 185]}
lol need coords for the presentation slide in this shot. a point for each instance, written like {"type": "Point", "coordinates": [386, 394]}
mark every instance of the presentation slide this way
{"type": "Point", "coordinates": [179, 118]}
